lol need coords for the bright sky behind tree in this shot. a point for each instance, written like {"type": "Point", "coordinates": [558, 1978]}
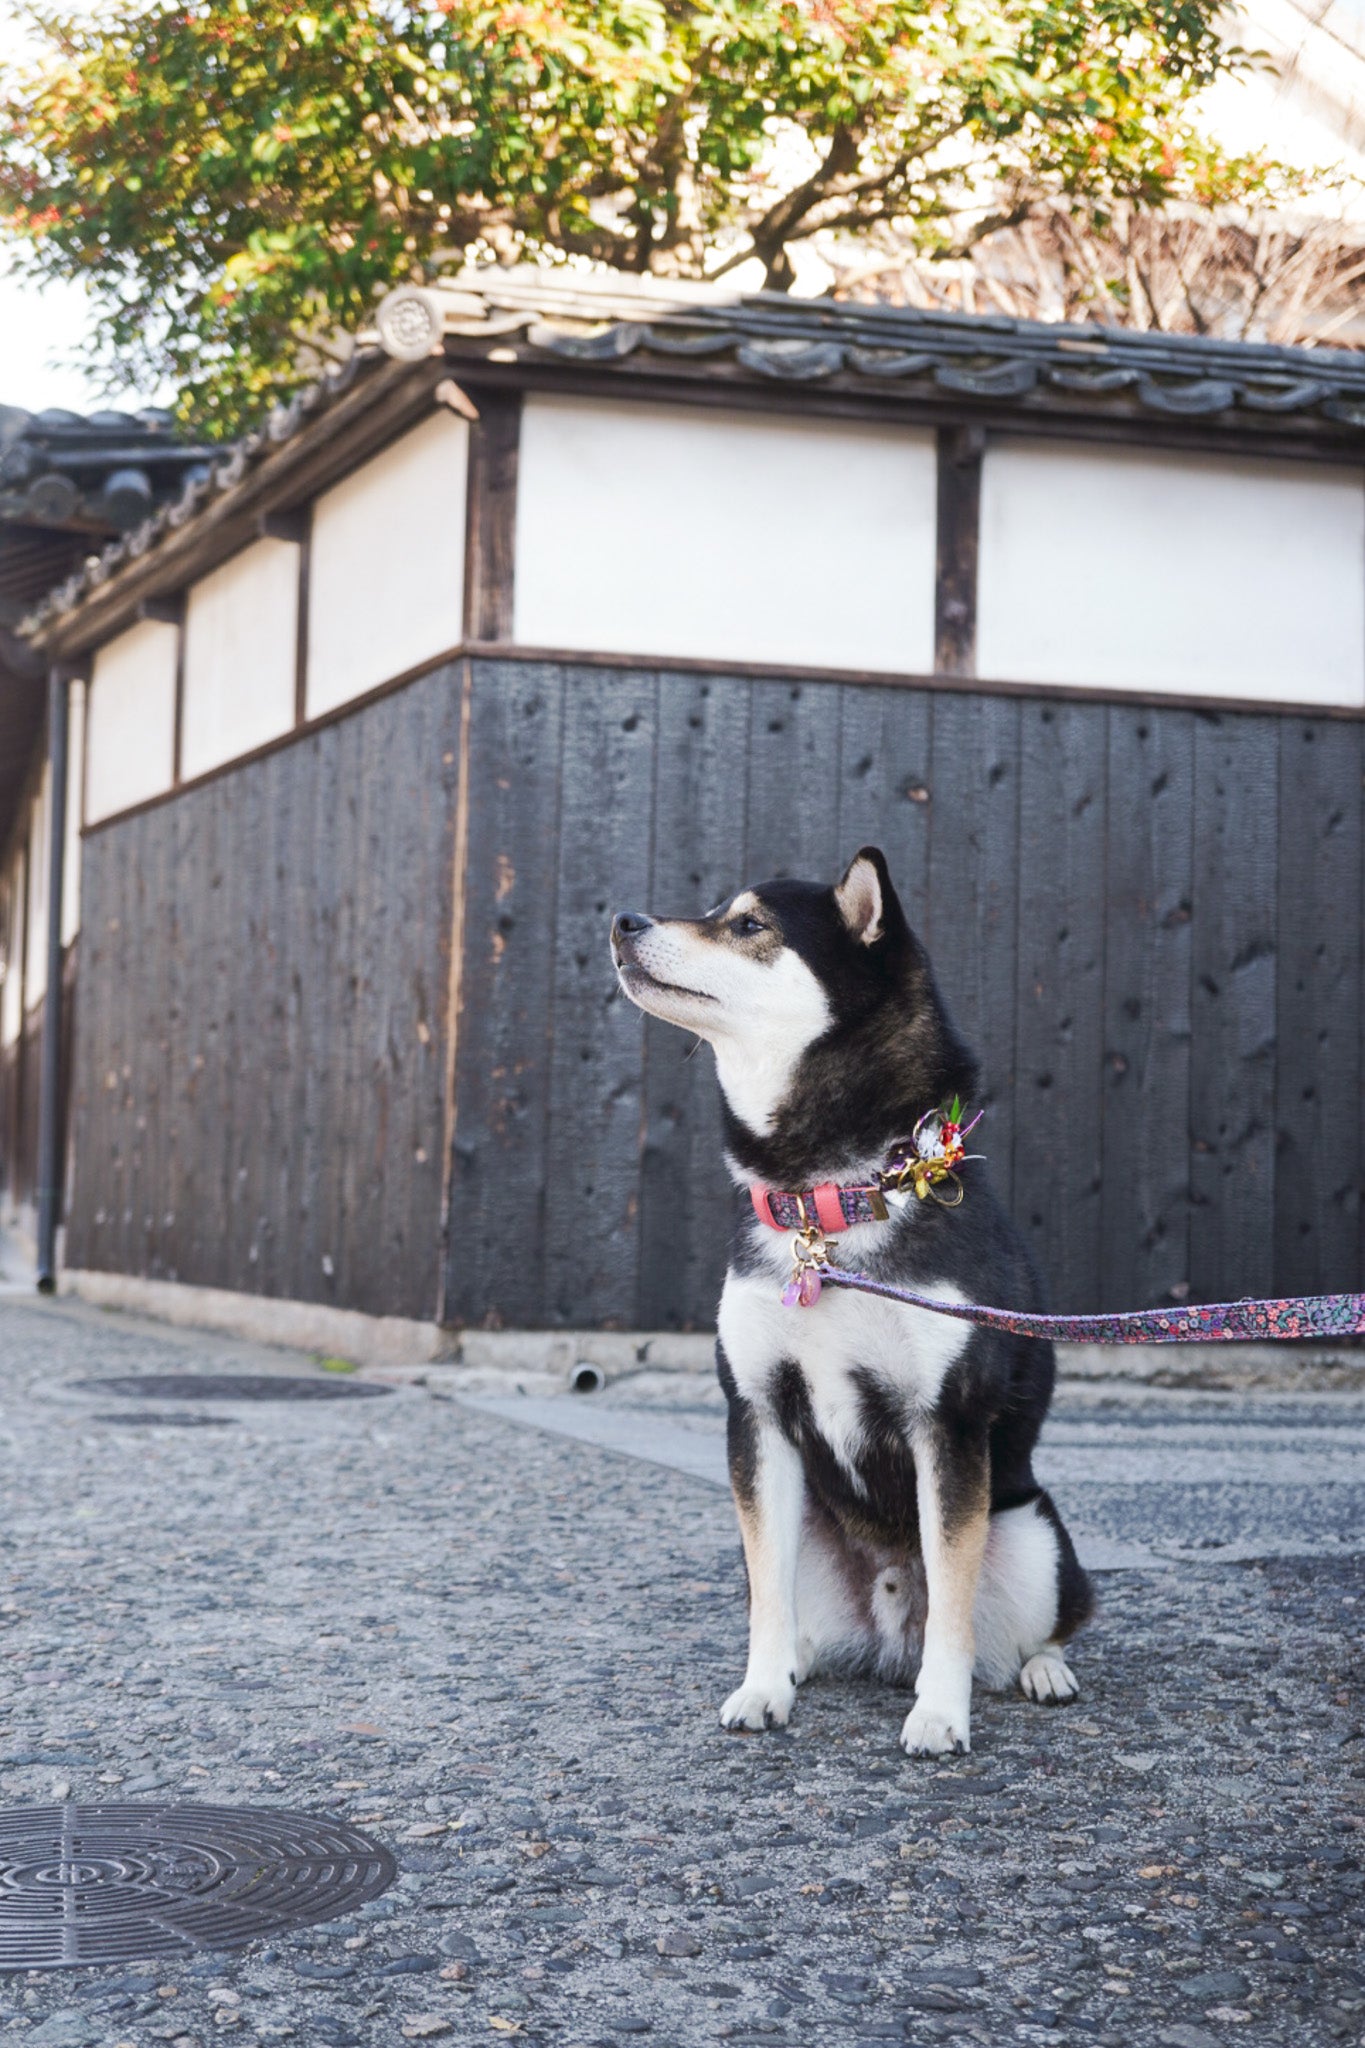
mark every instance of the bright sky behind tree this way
{"type": "Point", "coordinates": [41, 327]}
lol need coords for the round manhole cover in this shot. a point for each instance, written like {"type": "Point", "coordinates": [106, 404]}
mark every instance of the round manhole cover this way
{"type": "Point", "coordinates": [233, 1386]}
{"type": "Point", "coordinates": [117, 1884]}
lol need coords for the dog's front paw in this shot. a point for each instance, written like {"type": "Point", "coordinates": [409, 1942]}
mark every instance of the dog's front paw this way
{"type": "Point", "coordinates": [929, 1731]}
{"type": "Point", "coordinates": [759, 1706]}
{"type": "Point", "coordinates": [1049, 1680]}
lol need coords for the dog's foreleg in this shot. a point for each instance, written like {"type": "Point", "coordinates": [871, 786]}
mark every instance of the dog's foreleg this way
{"type": "Point", "coordinates": [952, 1480]}
{"type": "Point", "coordinates": [769, 1489]}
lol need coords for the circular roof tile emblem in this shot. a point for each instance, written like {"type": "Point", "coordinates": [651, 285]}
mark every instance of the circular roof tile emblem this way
{"type": "Point", "coordinates": [123, 1883]}
{"type": "Point", "coordinates": [410, 322]}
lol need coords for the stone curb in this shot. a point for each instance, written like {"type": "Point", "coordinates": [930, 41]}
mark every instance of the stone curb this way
{"type": "Point", "coordinates": [485, 1360]}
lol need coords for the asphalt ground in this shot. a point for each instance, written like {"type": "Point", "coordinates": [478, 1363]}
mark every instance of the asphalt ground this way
{"type": "Point", "coordinates": [495, 1632]}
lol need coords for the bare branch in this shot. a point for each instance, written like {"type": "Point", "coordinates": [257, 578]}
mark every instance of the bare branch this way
{"type": "Point", "coordinates": [1181, 270]}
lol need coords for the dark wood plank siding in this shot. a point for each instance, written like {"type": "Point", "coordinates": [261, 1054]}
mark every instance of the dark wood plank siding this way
{"type": "Point", "coordinates": [1119, 914]}
{"type": "Point", "coordinates": [596, 1079]}
{"type": "Point", "coordinates": [500, 1160]}
{"type": "Point", "coordinates": [1232, 1073]}
{"type": "Point", "coordinates": [1148, 899]}
{"type": "Point", "coordinates": [1318, 1005]}
{"type": "Point", "coordinates": [701, 789]}
{"type": "Point", "coordinates": [1148, 921]}
{"type": "Point", "coordinates": [971, 913]}
{"type": "Point", "coordinates": [1059, 1012]}
{"type": "Point", "coordinates": [261, 1040]}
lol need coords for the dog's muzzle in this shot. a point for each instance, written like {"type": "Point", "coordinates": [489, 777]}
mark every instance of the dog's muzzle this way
{"type": "Point", "coordinates": [626, 927]}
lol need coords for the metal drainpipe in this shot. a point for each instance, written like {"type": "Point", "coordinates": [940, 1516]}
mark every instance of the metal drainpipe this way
{"type": "Point", "coordinates": [49, 1073]}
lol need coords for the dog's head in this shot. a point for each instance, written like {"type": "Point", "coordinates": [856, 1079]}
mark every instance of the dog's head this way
{"type": "Point", "coordinates": [805, 991]}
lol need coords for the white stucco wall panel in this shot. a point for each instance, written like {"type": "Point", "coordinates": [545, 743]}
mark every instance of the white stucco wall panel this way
{"type": "Point", "coordinates": [669, 530]}
{"type": "Point", "coordinates": [386, 576]}
{"type": "Point", "coordinates": [1199, 575]}
{"type": "Point", "coordinates": [241, 650]}
{"type": "Point", "coordinates": [130, 720]}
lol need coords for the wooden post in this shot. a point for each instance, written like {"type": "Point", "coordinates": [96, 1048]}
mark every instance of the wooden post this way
{"type": "Point", "coordinates": [301, 633]}
{"type": "Point", "coordinates": [960, 450]}
{"type": "Point", "coordinates": [295, 525]}
{"type": "Point", "coordinates": [169, 611]}
{"type": "Point", "coordinates": [491, 517]}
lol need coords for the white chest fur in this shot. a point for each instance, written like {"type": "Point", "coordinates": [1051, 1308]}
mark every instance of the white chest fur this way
{"type": "Point", "coordinates": [907, 1350]}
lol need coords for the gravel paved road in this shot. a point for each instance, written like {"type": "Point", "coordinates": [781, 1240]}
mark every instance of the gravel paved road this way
{"type": "Point", "coordinates": [501, 1647]}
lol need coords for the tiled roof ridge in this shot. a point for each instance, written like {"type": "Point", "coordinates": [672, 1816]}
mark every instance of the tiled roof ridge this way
{"type": "Point", "coordinates": [18, 421]}
{"type": "Point", "coordinates": [810, 340]}
{"type": "Point", "coordinates": [90, 473]}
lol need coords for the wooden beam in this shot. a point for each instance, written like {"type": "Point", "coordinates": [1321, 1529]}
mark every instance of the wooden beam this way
{"type": "Point", "coordinates": [178, 717]}
{"type": "Point", "coordinates": [292, 525]}
{"type": "Point", "coordinates": [708, 382]}
{"type": "Point", "coordinates": [301, 629]}
{"type": "Point", "coordinates": [491, 516]}
{"type": "Point", "coordinates": [960, 450]}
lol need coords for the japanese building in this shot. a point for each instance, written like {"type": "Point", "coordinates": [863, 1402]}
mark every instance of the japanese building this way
{"type": "Point", "coordinates": [559, 598]}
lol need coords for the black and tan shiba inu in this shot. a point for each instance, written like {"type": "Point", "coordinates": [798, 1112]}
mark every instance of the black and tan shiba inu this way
{"type": "Point", "coordinates": [881, 1456]}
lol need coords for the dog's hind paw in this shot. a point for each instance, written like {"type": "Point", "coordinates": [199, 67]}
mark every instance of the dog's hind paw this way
{"type": "Point", "coordinates": [1048, 1680]}
{"type": "Point", "coordinates": [930, 1732]}
{"type": "Point", "coordinates": [759, 1706]}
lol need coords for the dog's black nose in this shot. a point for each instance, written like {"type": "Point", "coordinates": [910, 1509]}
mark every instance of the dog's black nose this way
{"type": "Point", "coordinates": [628, 924]}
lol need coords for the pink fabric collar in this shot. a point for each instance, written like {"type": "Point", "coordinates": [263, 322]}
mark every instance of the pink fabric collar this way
{"type": "Point", "coordinates": [828, 1207]}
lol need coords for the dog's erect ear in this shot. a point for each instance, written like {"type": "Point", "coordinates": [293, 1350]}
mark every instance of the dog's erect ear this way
{"type": "Point", "coordinates": [864, 896]}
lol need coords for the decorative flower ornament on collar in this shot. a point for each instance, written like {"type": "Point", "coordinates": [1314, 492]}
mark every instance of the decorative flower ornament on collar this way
{"type": "Point", "coordinates": [919, 1165]}
{"type": "Point", "coordinates": [937, 1148]}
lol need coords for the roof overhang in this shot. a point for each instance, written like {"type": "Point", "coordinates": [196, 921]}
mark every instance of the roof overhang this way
{"type": "Point", "coordinates": [698, 345]}
{"type": "Point", "coordinates": [304, 447]}
{"type": "Point", "coordinates": [883, 357]}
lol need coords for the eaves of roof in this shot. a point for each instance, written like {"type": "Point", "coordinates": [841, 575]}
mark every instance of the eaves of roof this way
{"type": "Point", "coordinates": [234, 498]}
{"type": "Point", "coordinates": [889, 349]}
{"type": "Point", "coordinates": [553, 326]}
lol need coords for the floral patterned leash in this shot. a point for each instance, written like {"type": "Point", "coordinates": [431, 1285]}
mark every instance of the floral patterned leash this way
{"type": "Point", "coordinates": [1301, 1315]}
{"type": "Point", "coordinates": [929, 1162]}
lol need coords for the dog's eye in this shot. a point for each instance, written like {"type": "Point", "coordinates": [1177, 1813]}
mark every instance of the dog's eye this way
{"type": "Point", "coordinates": [747, 927]}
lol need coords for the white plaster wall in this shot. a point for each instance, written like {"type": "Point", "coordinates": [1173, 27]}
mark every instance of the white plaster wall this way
{"type": "Point", "coordinates": [71, 857]}
{"type": "Point", "coordinates": [386, 575]}
{"type": "Point", "coordinates": [649, 529]}
{"type": "Point", "coordinates": [11, 989]}
{"type": "Point", "coordinates": [39, 836]}
{"type": "Point", "coordinates": [131, 719]}
{"type": "Point", "coordinates": [1205, 575]}
{"type": "Point", "coordinates": [241, 648]}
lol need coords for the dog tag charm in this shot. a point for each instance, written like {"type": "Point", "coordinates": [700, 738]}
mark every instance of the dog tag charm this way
{"type": "Point", "coordinates": [803, 1289]}
{"type": "Point", "coordinates": [808, 1249]}
{"type": "Point", "coordinates": [808, 1288]}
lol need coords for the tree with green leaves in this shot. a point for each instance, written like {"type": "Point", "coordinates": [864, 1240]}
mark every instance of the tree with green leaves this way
{"type": "Point", "coordinates": [235, 180]}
